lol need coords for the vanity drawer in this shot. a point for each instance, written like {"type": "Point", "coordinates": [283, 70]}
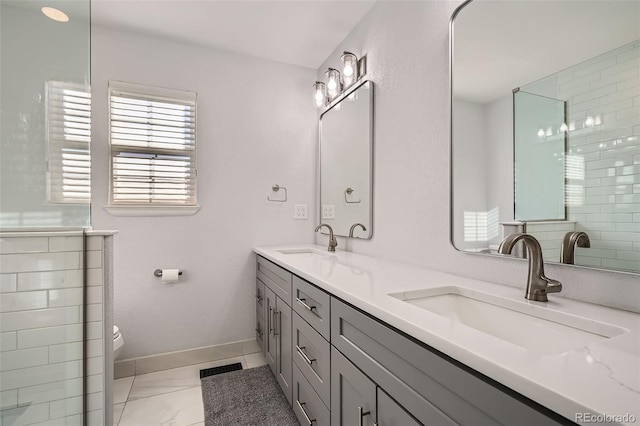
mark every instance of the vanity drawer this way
{"type": "Point", "coordinates": [260, 304]}
{"type": "Point", "coordinates": [312, 304]}
{"type": "Point", "coordinates": [429, 385]}
{"type": "Point", "coordinates": [312, 354]}
{"type": "Point", "coordinates": [307, 405]}
{"type": "Point", "coordinates": [276, 278]}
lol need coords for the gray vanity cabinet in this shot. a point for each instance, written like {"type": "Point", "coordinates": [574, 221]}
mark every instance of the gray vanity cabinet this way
{"type": "Point", "coordinates": [353, 395]}
{"type": "Point", "coordinates": [271, 343]}
{"type": "Point", "coordinates": [390, 413]}
{"type": "Point", "coordinates": [260, 315]}
{"type": "Point", "coordinates": [282, 330]}
{"type": "Point", "coordinates": [434, 389]}
{"type": "Point", "coordinates": [277, 341]}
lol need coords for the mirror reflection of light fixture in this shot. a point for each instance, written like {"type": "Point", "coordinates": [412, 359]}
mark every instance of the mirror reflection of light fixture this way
{"type": "Point", "coordinates": [55, 14]}
{"type": "Point", "coordinates": [319, 94]}
{"type": "Point", "coordinates": [353, 69]}
{"type": "Point", "coordinates": [334, 86]}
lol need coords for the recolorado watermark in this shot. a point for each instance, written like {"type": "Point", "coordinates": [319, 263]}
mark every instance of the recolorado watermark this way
{"type": "Point", "coordinates": [605, 418]}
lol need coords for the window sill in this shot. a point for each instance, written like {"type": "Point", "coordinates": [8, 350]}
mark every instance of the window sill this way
{"type": "Point", "coordinates": [152, 210]}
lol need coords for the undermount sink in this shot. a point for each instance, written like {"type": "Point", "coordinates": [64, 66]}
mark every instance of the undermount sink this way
{"type": "Point", "coordinates": [305, 252]}
{"type": "Point", "coordinates": [533, 327]}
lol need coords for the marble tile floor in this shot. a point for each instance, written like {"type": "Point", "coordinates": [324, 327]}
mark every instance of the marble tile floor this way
{"type": "Point", "coordinates": [167, 398]}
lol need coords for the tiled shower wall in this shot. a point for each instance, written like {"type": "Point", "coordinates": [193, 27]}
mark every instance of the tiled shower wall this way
{"type": "Point", "coordinates": [41, 325]}
{"type": "Point", "coordinates": [603, 158]}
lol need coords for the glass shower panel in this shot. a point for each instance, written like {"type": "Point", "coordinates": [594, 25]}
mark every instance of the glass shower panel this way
{"type": "Point", "coordinates": [539, 147]}
{"type": "Point", "coordinates": [45, 105]}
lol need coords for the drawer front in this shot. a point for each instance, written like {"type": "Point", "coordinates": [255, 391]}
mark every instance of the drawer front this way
{"type": "Point", "coordinates": [313, 305]}
{"type": "Point", "coordinates": [276, 278]}
{"type": "Point", "coordinates": [260, 301]}
{"type": "Point", "coordinates": [261, 332]}
{"type": "Point", "coordinates": [312, 354]}
{"type": "Point", "coordinates": [427, 384]}
{"type": "Point", "coordinates": [307, 405]}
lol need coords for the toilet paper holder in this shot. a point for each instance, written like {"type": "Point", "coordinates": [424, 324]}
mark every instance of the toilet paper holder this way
{"type": "Point", "coordinates": [158, 273]}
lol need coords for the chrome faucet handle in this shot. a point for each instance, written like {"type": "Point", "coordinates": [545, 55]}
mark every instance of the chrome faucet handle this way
{"type": "Point", "coordinates": [333, 243]}
{"type": "Point", "coordinates": [353, 228]}
{"type": "Point", "coordinates": [570, 241]}
{"type": "Point", "coordinates": [538, 285]}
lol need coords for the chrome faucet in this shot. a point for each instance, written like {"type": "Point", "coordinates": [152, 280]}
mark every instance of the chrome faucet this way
{"type": "Point", "coordinates": [353, 228]}
{"type": "Point", "coordinates": [570, 241]}
{"type": "Point", "coordinates": [332, 239]}
{"type": "Point", "coordinates": [537, 284]}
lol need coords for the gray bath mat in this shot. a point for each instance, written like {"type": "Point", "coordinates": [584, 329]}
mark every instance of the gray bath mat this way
{"type": "Point", "coordinates": [249, 397]}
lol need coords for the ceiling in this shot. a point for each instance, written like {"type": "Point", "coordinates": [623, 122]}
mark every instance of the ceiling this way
{"type": "Point", "coordinates": [300, 32]}
{"type": "Point", "coordinates": [501, 45]}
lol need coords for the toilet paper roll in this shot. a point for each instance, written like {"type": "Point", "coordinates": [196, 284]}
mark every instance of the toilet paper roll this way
{"type": "Point", "coordinates": [170, 275]}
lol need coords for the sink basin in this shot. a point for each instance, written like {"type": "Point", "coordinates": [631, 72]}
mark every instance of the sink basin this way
{"type": "Point", "coordinates": [305, 252]}
{"type": "Point", "coordinates": [533, 327]}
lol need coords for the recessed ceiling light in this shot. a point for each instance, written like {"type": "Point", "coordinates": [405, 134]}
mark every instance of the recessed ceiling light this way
{"type": "Point", "coordinates": [55, 14]}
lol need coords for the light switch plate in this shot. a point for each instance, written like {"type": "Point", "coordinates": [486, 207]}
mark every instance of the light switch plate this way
{"type": "Point", "coordinates": [300, 211]}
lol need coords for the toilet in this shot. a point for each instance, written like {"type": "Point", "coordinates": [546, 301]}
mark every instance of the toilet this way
{"type": "Point", "coordinates": [118, 342]}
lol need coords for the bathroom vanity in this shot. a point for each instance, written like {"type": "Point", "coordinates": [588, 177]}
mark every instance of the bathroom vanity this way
{"type": "Point", "coordinates": [355, 340]}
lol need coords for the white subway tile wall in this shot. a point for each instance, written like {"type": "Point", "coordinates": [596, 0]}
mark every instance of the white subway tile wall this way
{"type": "Point", "coordinates": [550, 234]}
{"type": "Point", "coordinates": [603, 106]}
{"type": "Point", "coordinates": [41, 330]}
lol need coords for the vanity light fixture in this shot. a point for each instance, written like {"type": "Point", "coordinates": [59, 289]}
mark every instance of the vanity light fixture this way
{"type": "Point", "coordinates": [349, 68]}
{"type": "Point", "coordinates": [336, 83]}
{"type": "Point", "coordinates": [319, 94]}
{"type": "Point", "coordinates": [55, 14]}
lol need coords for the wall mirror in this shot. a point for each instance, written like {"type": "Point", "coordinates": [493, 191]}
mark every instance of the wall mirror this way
{"type": "Point", "coordinates": [346, 149]}
{"type": "Point", "coordinates": [545, 127]}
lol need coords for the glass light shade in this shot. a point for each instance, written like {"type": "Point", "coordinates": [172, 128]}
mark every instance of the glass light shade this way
{"type": "Point", "coordinates": [334, 86]}
{"type": "Point", "coordinates": [349, 68]}
{"type": "Point", "coordinates": [319, 94]}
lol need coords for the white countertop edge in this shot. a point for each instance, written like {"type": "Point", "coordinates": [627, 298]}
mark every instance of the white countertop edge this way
{"type": "Point", "coordinates": [534, 378]}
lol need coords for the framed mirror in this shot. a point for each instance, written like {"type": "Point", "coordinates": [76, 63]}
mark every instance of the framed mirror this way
{"type": "Point", "coordinates": [346, 163]}
{"type": "Point", "coordinates": [545, 127]}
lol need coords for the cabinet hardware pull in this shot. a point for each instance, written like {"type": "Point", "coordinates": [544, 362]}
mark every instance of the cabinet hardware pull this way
{"type": "Point", "coordinates": [304, 355]}
{"type": "Point", "coordinates": [304, 412]}
{"type": "Point", "coordinates": [258, 297]}
{"type": "Point", "coordinates": [361, 414]}
{"type": "Point", "coordinates": [275, 322]}
{"type": "Point", "coordinates": [259, 332]}
{"type": "Point", "coordinates": [303, 303]}
{"type": "Point", "coordinates": [269, 321]}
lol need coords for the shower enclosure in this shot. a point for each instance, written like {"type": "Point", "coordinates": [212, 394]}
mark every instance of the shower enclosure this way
{"type": "Point", "coordinates": [51, 341]}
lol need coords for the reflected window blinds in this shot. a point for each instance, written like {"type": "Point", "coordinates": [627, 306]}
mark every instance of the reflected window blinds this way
{"type": "Point", "coordinates": [68, 124]}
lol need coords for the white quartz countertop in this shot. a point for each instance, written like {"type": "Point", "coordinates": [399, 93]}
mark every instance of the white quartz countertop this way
{"type": "Point", "coordinates": [601, 378]}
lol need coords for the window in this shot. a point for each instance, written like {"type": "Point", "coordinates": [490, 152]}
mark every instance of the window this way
{"type": "Point", "coordinates": [152, 135]}
{"type": "Point", "coordinates": [68, 123]}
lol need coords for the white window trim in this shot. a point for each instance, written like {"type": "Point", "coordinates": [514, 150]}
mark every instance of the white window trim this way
{"type": "Point", "coordinates": [151, 210]}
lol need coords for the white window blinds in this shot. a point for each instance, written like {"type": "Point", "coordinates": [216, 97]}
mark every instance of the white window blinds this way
{"type": "Point", "coordinates": [68, 123]}
{"type": "Point", "coordinates": [153, 145]}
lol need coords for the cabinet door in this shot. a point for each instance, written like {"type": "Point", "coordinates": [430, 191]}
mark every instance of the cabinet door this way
{"type": "Point", "coordinates": [282, 330]}
{"type": "Point", "coordinates": [260, 305]}
{"type": "Point", "coordinates": [353, 395]}
{"type": "Point", "coordinates": [270, 349]}
{"type": "Point", "coordinates": [392, 414]}
{"type": "Point", "coordinates": [261, 334]}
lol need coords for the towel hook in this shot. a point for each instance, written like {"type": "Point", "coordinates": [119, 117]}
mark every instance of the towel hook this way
{"type": "Point", "coordinates": [350, 191]}
{"type": "Point", "coordinates": [277, 188]}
